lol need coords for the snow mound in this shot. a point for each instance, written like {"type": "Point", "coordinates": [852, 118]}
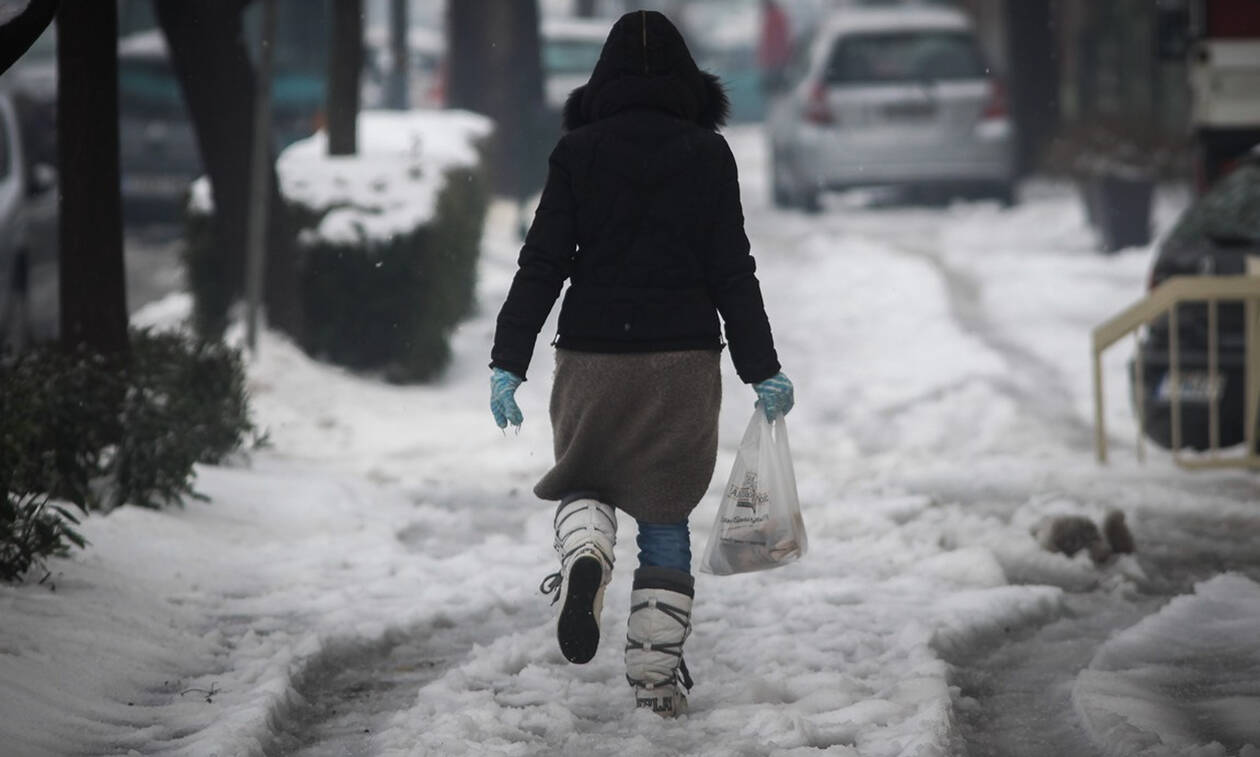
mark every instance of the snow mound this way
{"type": "Point", "coordinates": [1184, 681]}
{"type": "Point", "coordinates": [171, 313]}
{"type": "Point", "coordinates": [390, 187]}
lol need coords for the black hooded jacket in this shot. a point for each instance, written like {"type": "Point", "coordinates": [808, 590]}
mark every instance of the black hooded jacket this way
{"type": "Point", "coordinates": [641, 213]}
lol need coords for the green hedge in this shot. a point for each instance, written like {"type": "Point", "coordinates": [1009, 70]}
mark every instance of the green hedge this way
{"type": "Point", "coordinates": [393, 307]}
{"type": "Point", "coordinates": [381, 305]}
{"type": "Point", "coordinates": [98, 432]}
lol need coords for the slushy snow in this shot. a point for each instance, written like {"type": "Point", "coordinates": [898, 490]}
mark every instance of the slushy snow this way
{"type": "Point", "coordinates": [942, 373]}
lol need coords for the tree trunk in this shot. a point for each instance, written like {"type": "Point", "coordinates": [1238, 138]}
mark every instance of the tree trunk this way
{"type": "Point", "coordinates": [1034, 77]}
{"type": "Point", "coordinates": [207, 51]}
{"type": "Point", "coordinates": [345, 61]}
{"type": "Point", "coordinates": [495, 68]}
{"type": "Point", "coordinates": [400, 78]}
{"type": "Point", "coordinates": [93, 282]}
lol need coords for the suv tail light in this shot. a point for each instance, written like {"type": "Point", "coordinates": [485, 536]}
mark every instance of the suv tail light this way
{"type": "Point", "coordinates": [817, 111]}
{"type": "Point", "coordinates": [997, 106]}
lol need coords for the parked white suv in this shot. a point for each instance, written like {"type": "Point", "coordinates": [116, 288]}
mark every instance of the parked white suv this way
{"type": "Point", "coordinates": [891, 96]}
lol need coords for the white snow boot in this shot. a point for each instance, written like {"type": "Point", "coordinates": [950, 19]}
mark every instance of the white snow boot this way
{"type": "Point", "coordinates": [586, 531]}
{"type": "Point", "coordinates": [660, 621]}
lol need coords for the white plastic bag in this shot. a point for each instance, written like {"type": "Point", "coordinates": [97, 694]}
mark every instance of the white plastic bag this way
{"type": "Point", "coordinates": [758, 523]}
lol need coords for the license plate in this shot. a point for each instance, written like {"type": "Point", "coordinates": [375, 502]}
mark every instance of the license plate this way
{"type": "Point", "coordinates": [154, 185]}
{"type": "Point", "coordinates": [1195, 386]}
{"type": "Point", "coordinates": [911, 111]}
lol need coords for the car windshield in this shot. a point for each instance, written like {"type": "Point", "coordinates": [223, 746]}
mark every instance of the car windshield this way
{"type": "Point", "coordinates": [895, 57]}
{"type": "Point", "coordinates": [1228, 211]}
{"type": "Point", "coordinates": [570, 56]}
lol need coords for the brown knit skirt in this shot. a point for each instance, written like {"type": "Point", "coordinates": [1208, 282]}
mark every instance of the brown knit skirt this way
{"type": "Point", "coordinates": [638, 430]}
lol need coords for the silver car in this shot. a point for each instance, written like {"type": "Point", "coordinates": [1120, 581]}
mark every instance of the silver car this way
{"type": "Point", "coordinates": [891, 96]}
{"type": "Point", "coordinates": [27, 306]}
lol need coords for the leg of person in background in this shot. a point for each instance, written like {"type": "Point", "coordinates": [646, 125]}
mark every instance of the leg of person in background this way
{"type": "Point", "coordinates": [660, 619]}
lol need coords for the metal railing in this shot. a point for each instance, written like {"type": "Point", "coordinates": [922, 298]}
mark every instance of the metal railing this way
{"type": "Point", "coordinates": [1164, 300]}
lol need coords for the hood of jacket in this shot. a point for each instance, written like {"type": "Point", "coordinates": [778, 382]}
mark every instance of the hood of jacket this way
{"type": "Point", "coordinates": [645, 64]}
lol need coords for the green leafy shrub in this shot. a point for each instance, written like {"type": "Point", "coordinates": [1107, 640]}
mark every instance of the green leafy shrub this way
{"type": "Point", "coordinates": [391, 305]}
{"type": "Point", "coordinates": [32, 529]}
{"type": "Point", "coordinates": [99, 432]}
{"type": "Point", "coordinates": [185, 404]}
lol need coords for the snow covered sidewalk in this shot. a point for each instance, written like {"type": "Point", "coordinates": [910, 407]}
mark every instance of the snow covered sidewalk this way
{"type": "Point", "coordinates": [924, 455]}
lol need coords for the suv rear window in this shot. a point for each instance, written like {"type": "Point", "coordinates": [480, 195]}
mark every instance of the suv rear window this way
{"type": "Point", "coordinates": [895, 57]}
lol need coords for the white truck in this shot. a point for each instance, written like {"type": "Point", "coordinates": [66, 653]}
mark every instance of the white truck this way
{"type": "Point", "coordinates": [1224, 63]}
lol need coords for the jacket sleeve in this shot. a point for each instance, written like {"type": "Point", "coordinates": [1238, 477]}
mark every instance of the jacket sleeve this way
{"type": "Point", "coordinates": [732, 281]}
{"type": "Point", "coordinates": [546, 260]}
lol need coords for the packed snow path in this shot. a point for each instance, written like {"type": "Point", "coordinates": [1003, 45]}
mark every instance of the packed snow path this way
{"type": "Point", "coordinates": [369, 585]}
{"type": "Point", "coordinates": [1013, 698]}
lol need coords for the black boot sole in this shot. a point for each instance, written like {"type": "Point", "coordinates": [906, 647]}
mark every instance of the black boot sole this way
{"type": "Point", "coordinates": [578, 628]}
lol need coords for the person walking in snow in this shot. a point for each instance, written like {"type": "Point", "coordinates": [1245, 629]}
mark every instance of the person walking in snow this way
{"type": "Point", "coordinates": [641, 214]}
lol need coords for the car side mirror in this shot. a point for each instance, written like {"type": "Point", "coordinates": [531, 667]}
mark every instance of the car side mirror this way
{"type": "Point", "coordinates": [43, 178]}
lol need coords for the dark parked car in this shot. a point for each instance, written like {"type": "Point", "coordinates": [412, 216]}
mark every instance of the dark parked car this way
{"type": "Point", "coordinates": [158, 145]}
{"type": "Point", "coordinates": [1214, 236]}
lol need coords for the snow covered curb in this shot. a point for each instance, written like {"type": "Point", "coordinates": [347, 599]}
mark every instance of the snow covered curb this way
{"type": "Point", "coordinates": [1184, 682]}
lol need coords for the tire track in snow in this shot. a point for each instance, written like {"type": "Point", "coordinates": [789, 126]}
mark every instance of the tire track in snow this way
{"type": "Point", "coordinates": [1016, 698]}
{"type": "Point", "coordinates": [1037, 386]}
{"type": "Point", "coordinates": [348, 691]}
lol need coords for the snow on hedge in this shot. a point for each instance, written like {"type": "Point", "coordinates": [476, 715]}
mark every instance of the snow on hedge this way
{"type": "Point", "coordinates": [1182, 682]}
{"type": "Point", "coordinates": [389, 187]}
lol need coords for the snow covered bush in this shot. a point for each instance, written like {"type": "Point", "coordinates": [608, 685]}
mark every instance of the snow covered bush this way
{"type": "Point", "coordinates": [388, 240]}
{"type": "Point", "coordinates": [93, 432]}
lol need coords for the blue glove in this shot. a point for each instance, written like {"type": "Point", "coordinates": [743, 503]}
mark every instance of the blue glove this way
{"type": "Point", "coordinates": [776, 396]}
{"type": "Point", "coordinates": [502, 398]}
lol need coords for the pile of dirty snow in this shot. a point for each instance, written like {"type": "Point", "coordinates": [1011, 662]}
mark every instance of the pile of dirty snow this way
{"type": "Point", "coordinates": [1184, 681]}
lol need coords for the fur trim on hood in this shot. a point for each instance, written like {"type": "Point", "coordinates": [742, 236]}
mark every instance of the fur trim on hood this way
{"type": "Point", "coordinates": [645, 63]}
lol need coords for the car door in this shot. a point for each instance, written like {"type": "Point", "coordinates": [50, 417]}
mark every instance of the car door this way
{"type": "Point", "coordinates": [12, 196]}
{"type": "Point", "coordinates": [12, 199]}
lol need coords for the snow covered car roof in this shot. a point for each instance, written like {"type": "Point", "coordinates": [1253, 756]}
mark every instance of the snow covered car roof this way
{"type": "Point", "coordinates": [422, 38]}
{"type": "Point", "coordinates": [857, 19]}
{"type": "Point", "coordinates": [589, 30]}
{"type": "Point", "coordinates": [146, 44]}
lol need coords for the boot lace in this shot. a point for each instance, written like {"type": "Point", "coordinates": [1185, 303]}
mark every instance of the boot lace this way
{"type": "Point", "coordinates": [551, 585]}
